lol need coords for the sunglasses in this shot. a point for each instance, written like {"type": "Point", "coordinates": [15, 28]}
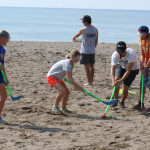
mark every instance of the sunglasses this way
{"type": "Point", "coordinates": [143, 34]}
{"type": "Point", "coordinates": [77, 57]}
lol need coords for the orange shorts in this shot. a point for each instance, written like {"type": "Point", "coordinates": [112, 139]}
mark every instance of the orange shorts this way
{"type": "Point", "coordinates": [51, 81]}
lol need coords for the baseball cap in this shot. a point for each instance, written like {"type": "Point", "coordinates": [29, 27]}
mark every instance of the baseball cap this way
{"type": "Point", "coordinates": [121, 47]}
{"type": "Point", "coordinates": [143, 29]}
{"type": "Point", "coordinates": [86, 18]}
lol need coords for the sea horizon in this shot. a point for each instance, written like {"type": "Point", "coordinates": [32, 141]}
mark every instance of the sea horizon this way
{"type": "Point", "coordinates": [72, 8]}
{"type": "Point", "coordinates": [61, 24]}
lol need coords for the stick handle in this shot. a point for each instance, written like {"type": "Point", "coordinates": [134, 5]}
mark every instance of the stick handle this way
{"type": "Point", "coordinates": [92, 95]}
{"type": "Point", "coordinates": [3, 74]}
{"type": "Point", "coordinates": [110, 98]}
{"type": "Point", "coordinates": [142, 90]}
{"type": "Point", "coordinates": [4, 77]}
{"type": "Point", "coordinates": [86, 92]}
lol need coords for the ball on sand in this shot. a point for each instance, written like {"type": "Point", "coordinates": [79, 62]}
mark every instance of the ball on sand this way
{"type": "Point", "coordinates": [103, 116]}
{"type": "Point", "coordinates": [109, 116]}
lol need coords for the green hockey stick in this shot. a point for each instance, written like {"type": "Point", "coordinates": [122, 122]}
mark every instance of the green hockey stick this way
{"type": "Point", "coordinates": [107, 103]}
{"type": "Point", "coordinates": [8, 88]}
{"type": "Point", "coordinates": [110, 100]}
{"type": "Point", "coordinates": [142, 90]}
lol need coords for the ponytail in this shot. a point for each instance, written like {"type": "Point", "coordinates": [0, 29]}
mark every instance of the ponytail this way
{"type": "Point", "coordinates": [73, 53]}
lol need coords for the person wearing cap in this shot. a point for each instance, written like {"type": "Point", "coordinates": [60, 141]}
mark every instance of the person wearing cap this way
{"type": "Point", "coordinates": [4, 39]}
{"type": "Point", "coordinates": [124, 68]}
{"type": "Point", "coordinates": [89, 42]}
{"type": "Point", "coordinates": [144, 42]}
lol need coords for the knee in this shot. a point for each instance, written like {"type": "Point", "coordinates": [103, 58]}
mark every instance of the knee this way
{"type": "Point", "coordinates": [92, 67]}
{"type": "Point", "coordinates": [125, 88]}
{"type": "Point", "coordinates": [65, 92]}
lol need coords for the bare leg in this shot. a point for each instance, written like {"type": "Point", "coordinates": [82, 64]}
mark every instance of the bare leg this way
{"type": "Point", "coordinates": [124, 93]}
{"type": "Point", "coordinates": [89, 69]}
{"type": "Point", "coordinates": [92, 73]}
{"type": "Point", "coordinates": [65, 98]}
{"type": "Point", "coordinates": [3, 94]}
{"type": "Point", "coordinates": [61, 94]}
{"type": "Point", "coordinates": [117, 89]}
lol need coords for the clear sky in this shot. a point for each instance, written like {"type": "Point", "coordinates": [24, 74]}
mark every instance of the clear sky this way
{"type": "Point", "coordinates": [87, 4]}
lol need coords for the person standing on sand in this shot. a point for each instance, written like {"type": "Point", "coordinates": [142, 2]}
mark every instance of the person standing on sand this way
{"type": "Point", "coordinates": [4, 39]}
{"type": "Point", "coordinates": [144, 41]}
{"type": "Point", "coordinates": [124, 68]}
{"type": "Point", "coordinates": [89, 42]}
{"type": "Point", "coordinates": [55, 75]}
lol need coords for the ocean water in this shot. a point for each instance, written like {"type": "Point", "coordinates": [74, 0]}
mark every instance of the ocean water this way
{"type": "Point", "coordinates": [60, 24]}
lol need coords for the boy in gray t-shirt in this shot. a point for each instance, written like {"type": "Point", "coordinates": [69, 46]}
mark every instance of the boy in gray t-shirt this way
{"type": "Point", "coordinates": [55, 79]}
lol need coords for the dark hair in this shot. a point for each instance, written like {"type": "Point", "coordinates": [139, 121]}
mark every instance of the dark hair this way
{"type": "Point", "coordinates": [87, 19]}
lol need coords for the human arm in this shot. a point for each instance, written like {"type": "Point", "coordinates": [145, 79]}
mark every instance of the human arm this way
{"type": "Point", "coordinates": [69, 77]}
{"type": "Point", "coordinates": [96, 40]}
{"type": "Point", "coordinates": [142, 67]}
{"type": "Point", "coordinates": [113, 68]}
{"type": "Point", "coordinates": [128, 71]}
{"type": "Point", "coordinates": [1, 66]}
{"type": "Point", "coordinates": [146, 67]}
{"type": "Point", "coordinates": [81, 31]}
{"type": "Point", "coordinates": [5, 76]}
{"type": "Point", "coordinates": [142, 59]}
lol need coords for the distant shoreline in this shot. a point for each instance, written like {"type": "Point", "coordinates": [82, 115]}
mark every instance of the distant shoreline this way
{"type": "Point", "coordinates": [65, 42]}
{"type": "Point", "coordinates": [72, 8]}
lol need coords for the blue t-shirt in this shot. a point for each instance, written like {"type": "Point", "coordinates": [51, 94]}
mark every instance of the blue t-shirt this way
{"type": "Point", "coordinates": [2, 54]}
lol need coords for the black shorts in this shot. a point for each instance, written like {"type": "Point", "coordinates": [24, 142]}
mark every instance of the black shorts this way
{"type": "Point", "coordinates": [87, 59]}
{"type": "Point", "coordinates": [119, 72]}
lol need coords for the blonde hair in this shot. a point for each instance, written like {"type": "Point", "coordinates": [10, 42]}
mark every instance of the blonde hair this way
{"type": "Point", "coordinates": [5, 34]}
{"type": "Point", "coordinates": [73, 53]}
{"type": "Point", "coordinates": [148, 40]}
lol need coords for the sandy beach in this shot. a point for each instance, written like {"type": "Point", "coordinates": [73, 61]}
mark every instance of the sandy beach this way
{"type": "Point", "coordinates": [33, 126]}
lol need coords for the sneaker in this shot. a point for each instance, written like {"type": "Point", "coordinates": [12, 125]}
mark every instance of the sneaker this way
{"type": "Point", "coordinates": [138, 106]}
{"type": "Point", "coordinates": [121, 104]}
{"type": "Point", "coordinates": [115, 104]}
{"type": "Point", "coordinates": [3, 122]}
{"type": "Point", "coordinates": [56, 109]}
{"type": "Point", "coordinates": [66, 111]}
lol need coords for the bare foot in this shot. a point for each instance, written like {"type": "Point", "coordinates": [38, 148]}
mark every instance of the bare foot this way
{"type": "Point", "coordinates": [86, 84]}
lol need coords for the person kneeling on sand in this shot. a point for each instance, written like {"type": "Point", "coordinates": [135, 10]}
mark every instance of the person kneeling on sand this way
{"type": "Point", "coordinates": [55, 75]}
{"type": "Point", "coordinates": [124, 68]}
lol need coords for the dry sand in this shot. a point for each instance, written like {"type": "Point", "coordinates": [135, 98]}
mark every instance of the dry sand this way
{"type": "Point", "coordinates": [32, 126]}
